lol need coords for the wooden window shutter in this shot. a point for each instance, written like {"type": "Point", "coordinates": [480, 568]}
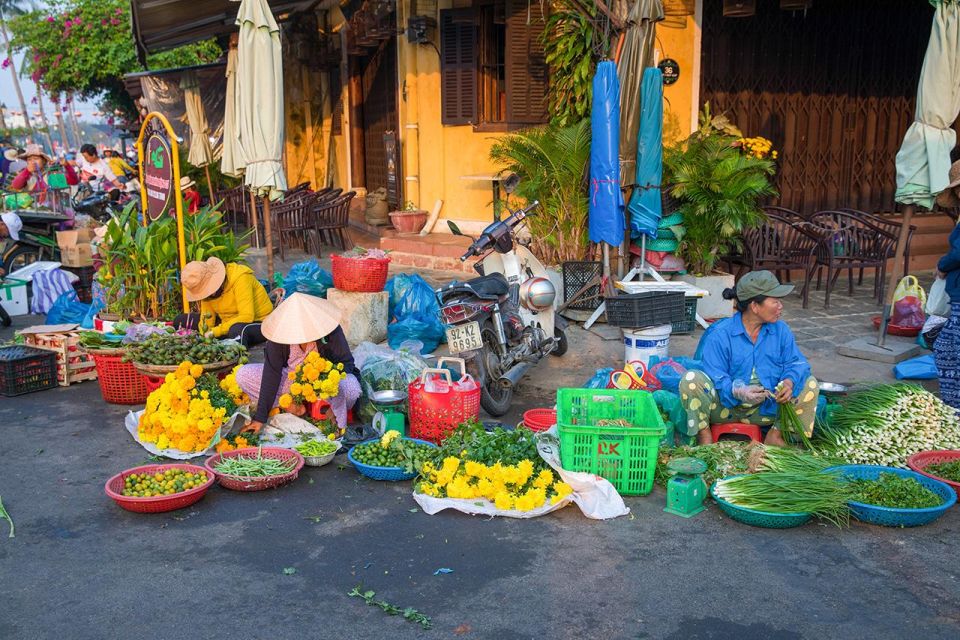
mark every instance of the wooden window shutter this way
{"type": "Point", "coordinates": [526, 67]}
{"type": "Point", "coordinates": [458, 66]}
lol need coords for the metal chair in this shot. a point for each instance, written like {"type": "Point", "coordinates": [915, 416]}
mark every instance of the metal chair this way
{"type": "Point", "coordinates": [780, 245]}
{"type": "Point", "coordinates": [892, 227]}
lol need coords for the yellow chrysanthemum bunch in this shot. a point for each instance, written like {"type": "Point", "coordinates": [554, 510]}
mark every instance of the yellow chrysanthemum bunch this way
{"type": "Point", "coordinates": [507, 486]}
{"type": "Point", "coordinates": [758, 147]}
{"type": "Point", "coordinates": [180, 416]}
{"type": "Point", "coordinates": [315, 379]}
{"type": "Point", "coordinates": [232, 388]}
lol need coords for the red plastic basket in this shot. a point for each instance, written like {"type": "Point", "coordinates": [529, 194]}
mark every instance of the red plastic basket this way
{"type": "Point", "coordinates": [434, 415]}
{"type": "Point", "coordinates": [120, 383]}
{"type": "Point", "coordinates": [238, 483]}
{"type": "Point", "coordinates": [540, 419]}
{"type": "Point", "coordinates": [367, 275]}
{"type": "Point", "coordinates": [919, 461]}
{"type": "Point", "coordinates": [152, 383]}
{"type": "Point", "coordinates": [157, 504]}
{"type": "Point", "coordinates": [897, 330]}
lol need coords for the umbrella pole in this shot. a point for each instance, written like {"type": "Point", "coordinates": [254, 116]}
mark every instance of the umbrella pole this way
{"type": "Point", "coordinates": [253, 218]}
{"type": "Point", "coordinates": [895, 274]}
{"type": "Point", "coordinates": [269, 237]}
{"type": "Point", "coordinates": [206, 169]}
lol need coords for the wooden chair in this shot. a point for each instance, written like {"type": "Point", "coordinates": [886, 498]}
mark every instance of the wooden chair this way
{"type": "Point", "coordinates": [332, 218]}
{"type": "Point", "coordinates": [783, 212]}
{"type": "Point", "coordinates": [892, 227]}
{"type": "Point", "coordinates": [848, 242]}
{"type": "Point", "coordinates": [780, 245]}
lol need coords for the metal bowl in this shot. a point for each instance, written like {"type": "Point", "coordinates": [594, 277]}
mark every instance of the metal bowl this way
{"type": "Point", "coordinates": [388, 398]}
{"type": "Point", "coordinates": [832, 387]}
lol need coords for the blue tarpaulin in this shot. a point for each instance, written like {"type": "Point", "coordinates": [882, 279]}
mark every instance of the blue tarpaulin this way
{"type": "Point", "coordinates": [645, 207]}
{"type": "Point", "coordinates": [607, 222]}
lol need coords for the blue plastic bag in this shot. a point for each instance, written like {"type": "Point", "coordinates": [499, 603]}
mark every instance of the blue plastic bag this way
{"type": "Point", "coordinates": [95, 307]}
{"type": "Point", "coordinates": [308, 277]}
{"type": "Point", "coordinates": [410, 293]}
{"type": "Point", "coordinates": [675, 416]}
{"type": "Point", "coordinates": [428, 330]}
{"type": "Point", "coordinates": [67, 309]}
{"type": "Point", "coordinates": [599, 379]}
{"type": "Point", "coordinates": [919, 368]}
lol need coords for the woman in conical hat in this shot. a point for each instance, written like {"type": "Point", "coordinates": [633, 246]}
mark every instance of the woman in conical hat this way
{"type": "Point", "coordinates": [298, 326]}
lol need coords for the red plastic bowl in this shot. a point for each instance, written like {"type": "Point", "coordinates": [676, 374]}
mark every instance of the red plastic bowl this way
{"type": "Point", "coordinates": [157, 504]}
{"type": "Point", "coordinates": [540, 419]}
{"type": "Point", "coordinates": [240, 483]}
{"type": "Point", "coordinates": [897, 330]}
{"type": "Point", "coordinates": [919, 461]}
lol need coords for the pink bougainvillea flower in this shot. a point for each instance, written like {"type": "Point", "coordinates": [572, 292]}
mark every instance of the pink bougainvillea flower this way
{"type": "Point", "coordinates": [51, 19]}
{"type": "Point", "coordinates": [119, 11]}
{"type": "Point", "coordinates": [114, 21]}
{"type": "Point", "coordinates": [68, 24]}
{"type": "Point", "coordinates": [104, 22]}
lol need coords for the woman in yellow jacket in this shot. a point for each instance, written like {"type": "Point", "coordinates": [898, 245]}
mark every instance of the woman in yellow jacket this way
{"type": "Point", "coordinates": [232, 301]}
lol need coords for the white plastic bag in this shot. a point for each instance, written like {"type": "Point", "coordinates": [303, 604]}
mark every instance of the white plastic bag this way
{"type": "Point", "coordinates": [132, 421]}
{"type": "Point", "coordinates": [287, 431]}
{"type": "Point", "coordinates": [596, 497]}
{"type": "Point", "coordinates": [938, 302]}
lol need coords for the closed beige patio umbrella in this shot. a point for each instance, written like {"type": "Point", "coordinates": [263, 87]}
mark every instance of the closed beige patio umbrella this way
{"type": "Point", "coordinates": [200, 153]}
{"type": "Point", "coordinates": [259, 103]}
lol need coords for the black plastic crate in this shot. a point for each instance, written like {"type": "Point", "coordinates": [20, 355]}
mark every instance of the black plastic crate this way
{"type": "Point", "coordinates": [645, 309]}
{"type": "Point", "coordinates": [689, 322]}
{"type": "Point", "coordinates": [576, 275]}
{"type": "Point", "coordinates": [26, 369]}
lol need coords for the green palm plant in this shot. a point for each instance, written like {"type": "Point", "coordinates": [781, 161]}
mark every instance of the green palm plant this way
{"type": "Point", "coordinates": [720, 189]}
{"type": "Point", "coordinates": [551, 162]}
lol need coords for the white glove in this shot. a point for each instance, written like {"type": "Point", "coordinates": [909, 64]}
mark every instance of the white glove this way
{"type": "Point", "coordinates": [751, 394]}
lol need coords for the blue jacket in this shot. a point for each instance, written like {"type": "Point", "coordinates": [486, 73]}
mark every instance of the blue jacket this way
{"type": "Point", "coordinates": [729, 355]}
{"type": "Point", "coordinates": [950, 265]}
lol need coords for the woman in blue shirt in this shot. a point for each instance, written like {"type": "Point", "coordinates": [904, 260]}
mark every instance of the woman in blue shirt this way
{"type": "Point", "coordinates": [946, 349]}
{"type": "Point", "coordinates": [751, 363]}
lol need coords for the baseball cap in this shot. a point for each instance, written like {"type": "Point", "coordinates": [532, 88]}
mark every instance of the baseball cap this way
{"type": "Point", "coordinates": [13, 223]}
{"type": "Point", "coordinates": [761, 283]}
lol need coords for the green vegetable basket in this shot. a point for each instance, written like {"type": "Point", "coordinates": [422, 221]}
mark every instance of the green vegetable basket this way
{"type": "Point", "coordinates": [624, 455]}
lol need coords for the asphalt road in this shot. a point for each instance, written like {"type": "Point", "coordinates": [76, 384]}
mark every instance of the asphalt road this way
{"type": "Point", "coordinates": [82, 568]}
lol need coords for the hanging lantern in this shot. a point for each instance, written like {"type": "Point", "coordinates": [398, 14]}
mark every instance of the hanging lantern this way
{"type": "Point", "coordinates": [739, 8]}
{"type": "Point", "coordinates": [795, 5]}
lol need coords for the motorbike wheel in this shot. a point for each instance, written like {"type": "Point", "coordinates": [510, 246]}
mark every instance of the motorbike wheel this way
{"type": "Point", "coordinates": [494, 399]}
{"type": "Point", "coordinates": [20, 257]}
{"type": "Point", "coordinates": [561, 337]}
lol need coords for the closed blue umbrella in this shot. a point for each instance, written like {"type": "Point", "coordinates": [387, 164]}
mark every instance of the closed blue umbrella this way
{"type": "Point", "coordinates": [607, 222]}
{"type": "Point", "coordinates": [645, 207]}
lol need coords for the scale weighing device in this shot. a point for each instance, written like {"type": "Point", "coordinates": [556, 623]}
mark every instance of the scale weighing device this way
{"type": "Point", "coordinates": [686, 490]}
{"type": "Point", "coordinates": [391, 415]}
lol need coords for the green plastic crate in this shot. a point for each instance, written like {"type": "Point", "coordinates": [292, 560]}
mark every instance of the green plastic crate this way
{"type": "Point", "coordinates": [626, 456]}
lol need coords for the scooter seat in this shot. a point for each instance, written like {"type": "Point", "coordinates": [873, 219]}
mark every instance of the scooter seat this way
{"type": "Point", "coordinates": [492, 285]}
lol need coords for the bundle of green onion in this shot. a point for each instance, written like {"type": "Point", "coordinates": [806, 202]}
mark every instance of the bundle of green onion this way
{"type": "Point", "coordinates": [821, 494]}
{"type": "Point", "coordinates": [886, 424]}
{"type": "Point", "coordinates": [791, 428]}
{"type": "Point", "coordinates": [788, 460]}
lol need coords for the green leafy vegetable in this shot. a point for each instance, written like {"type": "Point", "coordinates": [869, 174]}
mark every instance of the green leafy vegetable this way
{"type": "Point", "coordinates": [894, 492]}
{"type": "Point", "coordinates": [946, 470]}
{"type": "Point", "coordinates": [409, 613]}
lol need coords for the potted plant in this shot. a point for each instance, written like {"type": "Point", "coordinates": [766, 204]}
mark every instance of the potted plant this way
{"type": "Point", "coordinates": [410, 219]}
{"type": "Point", "coordinates": [719, 178]}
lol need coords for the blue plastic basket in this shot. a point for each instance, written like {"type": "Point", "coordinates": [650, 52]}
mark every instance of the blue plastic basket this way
{"type": "Point", "coordinates": [887, 517]}
{"type": "Point", "coordinates": [391, 474]}
{"type": "Point", "coordinates": [754, 518]}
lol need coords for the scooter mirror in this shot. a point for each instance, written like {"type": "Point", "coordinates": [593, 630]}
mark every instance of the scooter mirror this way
{"type": "Point", "coordinates": [454, 229]}
{"type": "Point", "coordinates": [510, 183]}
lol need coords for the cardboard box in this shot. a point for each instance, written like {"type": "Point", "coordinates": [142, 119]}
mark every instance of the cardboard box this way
{"type": "Point", "coordinates": [75, 247]}
{"type": "Point", "coordinates": [13, 297]}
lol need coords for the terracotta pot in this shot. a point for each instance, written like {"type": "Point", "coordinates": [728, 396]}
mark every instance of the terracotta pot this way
{"type": "Point", "coordinates": [408, 221]}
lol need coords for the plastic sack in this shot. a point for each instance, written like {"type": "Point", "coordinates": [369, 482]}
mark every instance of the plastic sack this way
{"type": "Point", "coordinates": [67, 309]}
{"type": "Point", "coordinates": [95, 307]}
{"type": "Point", "coordinates": [595, 496]}
{"type": "Point", "coordinates": [428, 330]}
{"type": "Point", "coordinates": [600, 379]}
{"type": "Point", "coordinates": [920, 368]}
{"type": "Point", "coordinates": [308, 277]}
{"type": "Point", "coordinates": [383, 369]}
{"type": "Point", "coordinates": [410, 294]}
{"type": "Point", "coordinates": [938, 302]}
{"type": "Point", "coordinates": [673, 413]}
{"type": "Point", "coordinates": [668, 372]}
{"type": "Point", "coordinates": [908, 301]}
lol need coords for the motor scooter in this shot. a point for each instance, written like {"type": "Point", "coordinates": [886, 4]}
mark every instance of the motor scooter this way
{"type": "Point", "coordinates": [505, 321]}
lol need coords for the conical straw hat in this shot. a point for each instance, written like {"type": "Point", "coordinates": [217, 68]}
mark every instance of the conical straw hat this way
{"type": "Point", "coordinates": [301, 318]}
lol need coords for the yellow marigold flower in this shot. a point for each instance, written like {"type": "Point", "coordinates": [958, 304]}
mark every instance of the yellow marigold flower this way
{"type": "Point", "coordinates": [196, 370]}
{"type": "Point", "coordinates": [503, 501]}
{"type": "Point", "coordinates": [285, 401]}
{"type": "Point", "coordinates": [474, 469]}
{"type": "Point", "coordinates": [295, 388]}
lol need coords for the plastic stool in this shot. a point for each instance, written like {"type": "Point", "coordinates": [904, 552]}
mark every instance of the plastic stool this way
{"type": "Point", "coordinates": [752, 431]}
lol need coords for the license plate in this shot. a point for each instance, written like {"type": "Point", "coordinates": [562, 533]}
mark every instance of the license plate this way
{"type": "Point", "coordinates": [464, 337]}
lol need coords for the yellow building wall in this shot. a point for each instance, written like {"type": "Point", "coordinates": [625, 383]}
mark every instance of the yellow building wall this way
{"type": "Point", "coordinates": [678, 38]}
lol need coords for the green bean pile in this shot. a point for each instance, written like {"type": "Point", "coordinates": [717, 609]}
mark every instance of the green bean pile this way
{"type": "Point", "coordinates": [254, 466]}
{"type": "Point", "coordinates": [316, 447]}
